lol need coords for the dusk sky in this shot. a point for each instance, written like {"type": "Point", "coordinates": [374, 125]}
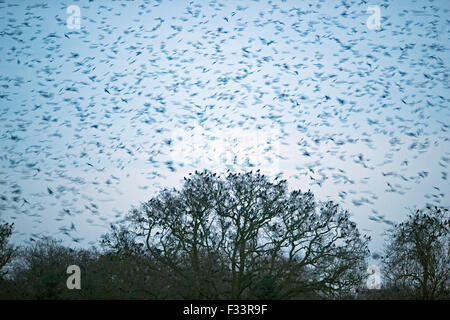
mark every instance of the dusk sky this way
{"type": "Point", "coordinates": [96, 120]}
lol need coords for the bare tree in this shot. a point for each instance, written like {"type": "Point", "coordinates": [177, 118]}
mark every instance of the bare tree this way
{"type": "Point", "coordinates": [128, 270]}
{"type": "Point", "coordinates": [417, 259]}
{"type": "Point", "coordinates": [6, 249]}
{"type": "Point", "coordinates": [39, 271]}
{"type": "Point", "coordinates": [243, 236]}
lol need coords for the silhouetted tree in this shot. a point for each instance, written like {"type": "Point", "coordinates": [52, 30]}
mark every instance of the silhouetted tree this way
{"type": "Point", "coordinates": [40, 270]}
{"type": "Point", "coordinates": [6, 249]}
{"type": "Point", "coordinates": [416, 260]}
{"type": "Point", "coordinates": [243, 236]}
{"type": "Point", "coordinates": [133, 274]}
{"type": "Point", "coordinates": [120, 271]}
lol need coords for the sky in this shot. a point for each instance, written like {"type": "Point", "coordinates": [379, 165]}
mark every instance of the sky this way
{"type": "Point", "coordinates": [98, 114]}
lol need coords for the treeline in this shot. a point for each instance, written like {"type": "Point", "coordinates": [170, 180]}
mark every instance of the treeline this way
{"type": "Point", "coordinates": [240, 236]}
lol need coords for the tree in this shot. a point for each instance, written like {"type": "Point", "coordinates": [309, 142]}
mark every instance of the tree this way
{"type": "Point", "coordinates": [243, 236]}
{"type": "Point", "coordinates": [130, 272]}
{"type": "Point", "coordinates": [416, 260]}
{"type": "Point", "coordinates": [40, 270]}
{"type": "Point", "coordinates": [6, 249]}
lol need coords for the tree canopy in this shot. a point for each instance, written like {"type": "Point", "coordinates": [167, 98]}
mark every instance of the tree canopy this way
{"type": "Point", "coordinates": [244, 236]}
{"type": "Point", "coordinates": [417, 256]}
{"type": "Point", "coordinates": [6, 249]}
{"type": "Point", "coordinates": [235, 236]}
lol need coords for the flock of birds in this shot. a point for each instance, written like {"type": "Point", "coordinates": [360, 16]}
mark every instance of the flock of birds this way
{"type": "Point", "coordinates": [90, 117]}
